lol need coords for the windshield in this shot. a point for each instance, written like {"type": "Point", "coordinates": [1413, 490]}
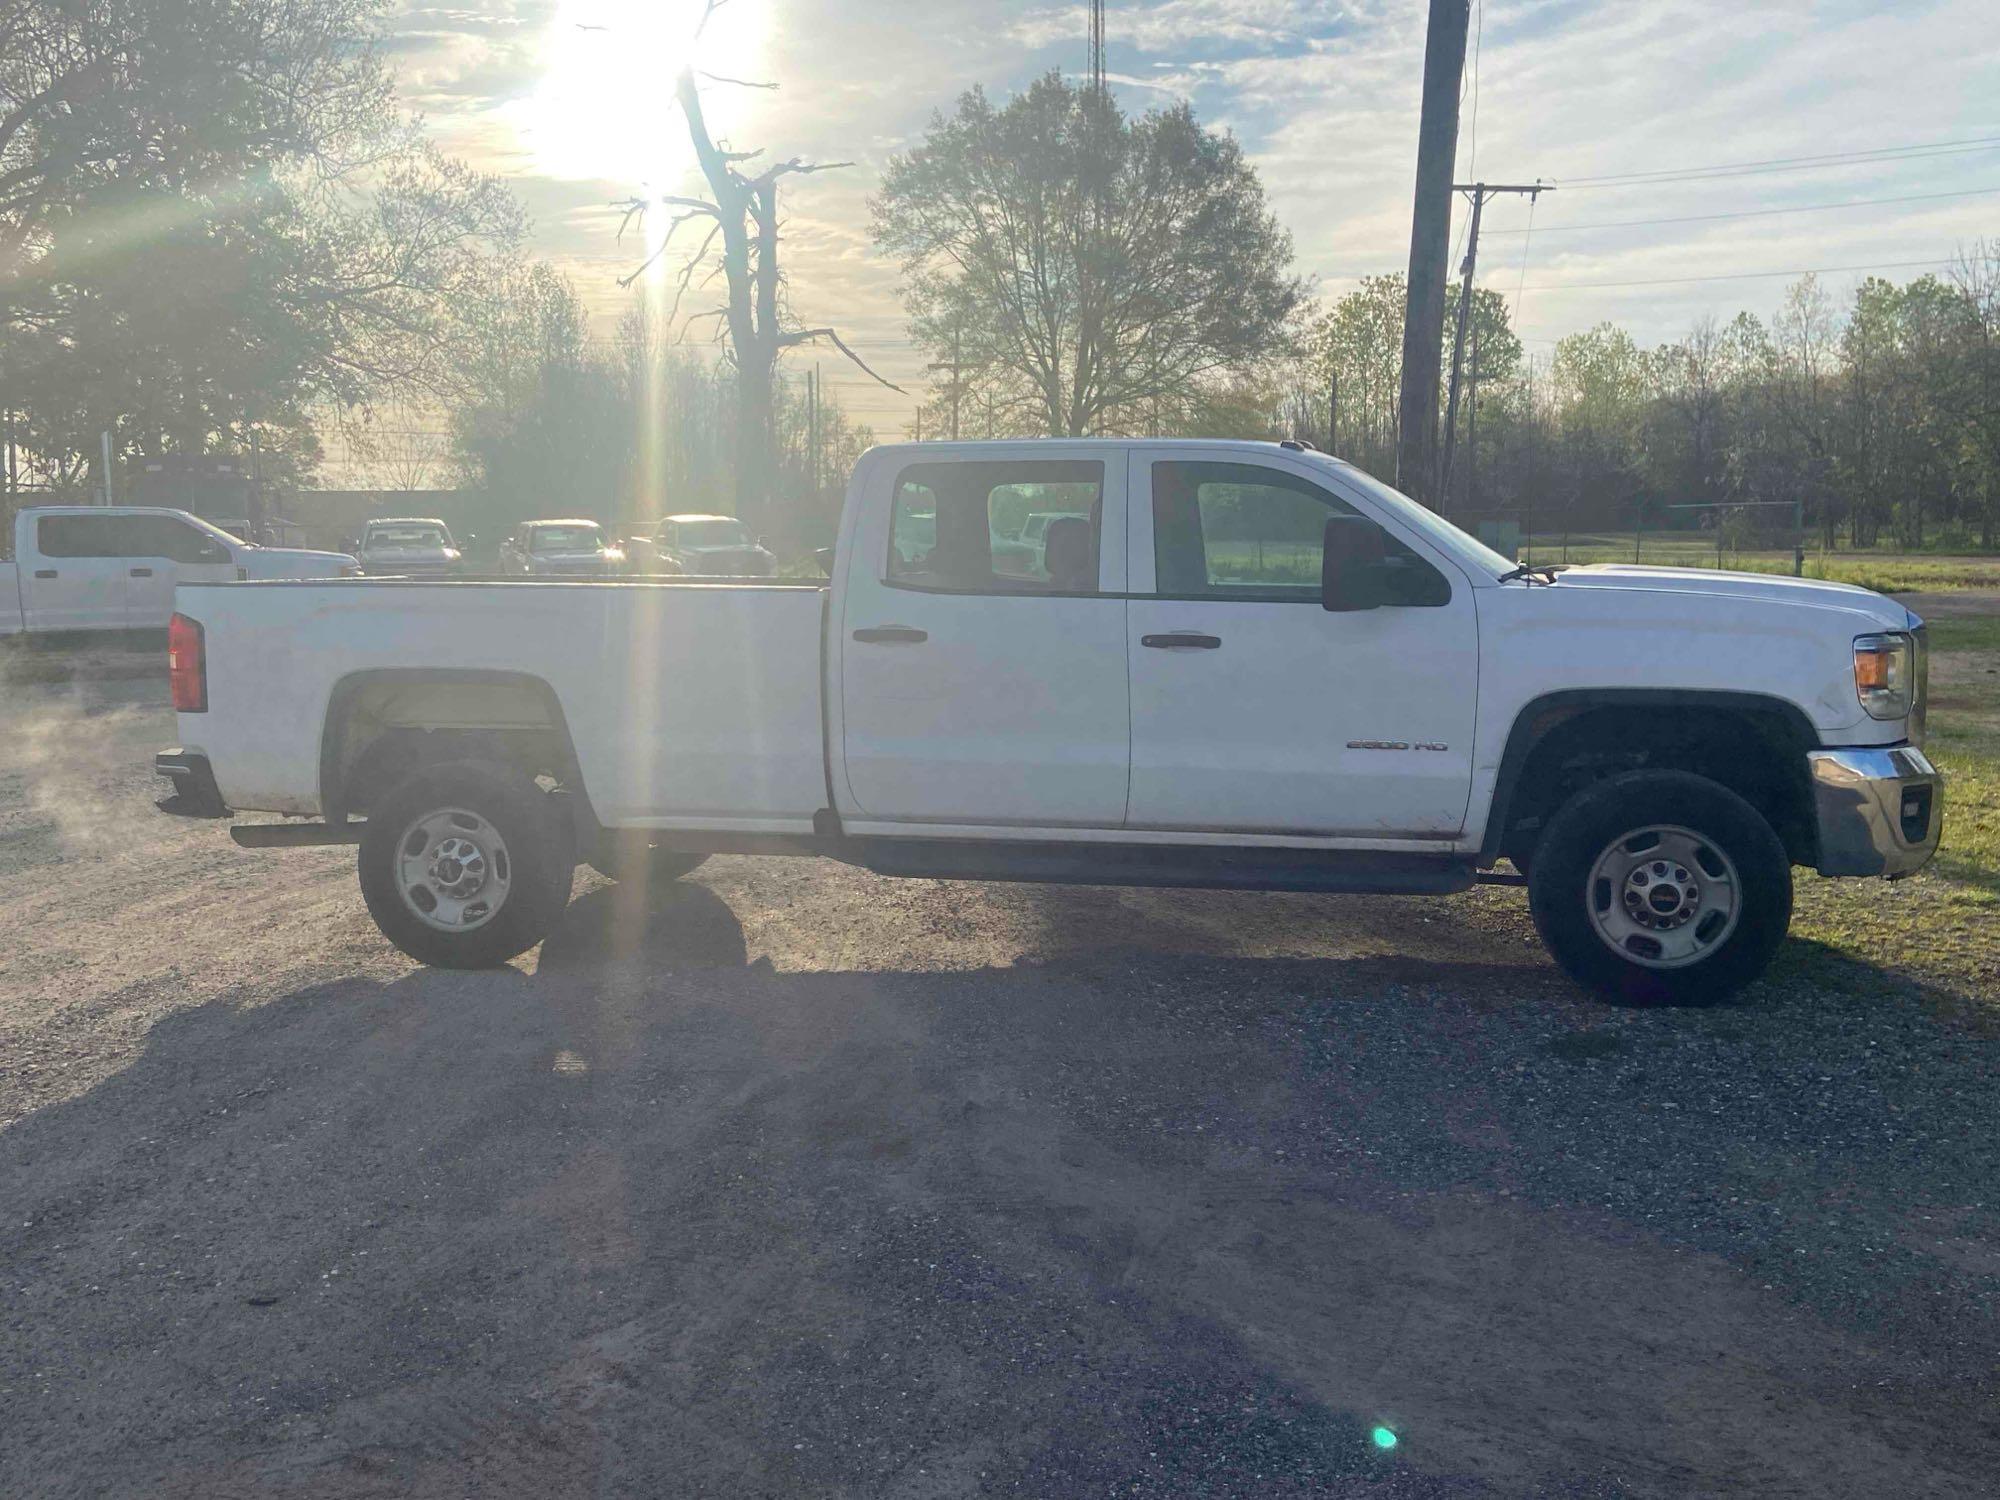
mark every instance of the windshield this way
{"type": "Point", "coordinates": [406, 536]}
{"type": "Point", "coordinates": [567, 539]}
{"type": "Point", "coordinates": [1462, 545]}
{"type": "Point", "coordinates": [720, 533]}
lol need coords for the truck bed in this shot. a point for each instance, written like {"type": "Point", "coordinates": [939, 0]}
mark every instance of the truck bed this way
{"type": "Point", "coordinates": [690, 704]}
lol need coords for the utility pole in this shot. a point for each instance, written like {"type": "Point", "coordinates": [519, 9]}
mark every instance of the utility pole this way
{"type": "Point", "coordinates": [1333, 412]}
{"type": "Point", "coordinates": [1097, 80]}
{"type": "Point", "coordinates": [105, 438]}
{"type": "Point", "coordinates": [1478, 192]}
{"type": "Point", "coordinates": [1430, 246]}
{"type": "Point", "coordinates": [1472, 426]}
{"type": "Point", "coordinates": [954, 383]}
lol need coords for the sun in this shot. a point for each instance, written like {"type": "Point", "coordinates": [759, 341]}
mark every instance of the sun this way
{"type": "Point", "coordinates": [604, 109]}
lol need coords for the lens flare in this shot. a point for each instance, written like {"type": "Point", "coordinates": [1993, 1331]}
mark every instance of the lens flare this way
{"type": "Point", "coordinates": [1383, 1438]}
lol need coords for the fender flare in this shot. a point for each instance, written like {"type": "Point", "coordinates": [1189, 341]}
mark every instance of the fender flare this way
{"type": "Point", "coordinates": [1541, 717]}
{"type": "Point", "coordinates": [333, 730]}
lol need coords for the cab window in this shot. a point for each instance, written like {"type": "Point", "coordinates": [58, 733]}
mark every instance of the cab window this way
{"type": "Point", "coordinates": [163, 536]}
{"type": "Point", "coordinates": [1247, 532]}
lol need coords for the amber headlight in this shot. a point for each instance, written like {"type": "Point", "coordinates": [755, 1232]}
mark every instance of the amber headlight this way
{"type": "Point", "coordinates": [1885, 674]}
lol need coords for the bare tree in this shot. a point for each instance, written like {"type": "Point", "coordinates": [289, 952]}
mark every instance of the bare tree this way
{"type": "Point", "coordinates": [742, 211]}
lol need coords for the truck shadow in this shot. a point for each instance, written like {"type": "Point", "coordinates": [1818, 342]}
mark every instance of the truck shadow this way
{"type": "Point", "coordinates": [623, 924]}
{"type": "Point", "coordinates": [654, 1220]}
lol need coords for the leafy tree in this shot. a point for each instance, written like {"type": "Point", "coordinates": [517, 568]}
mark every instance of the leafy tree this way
{"type": "Point", "coordinates": [212, 219]}
{"type": "Point", "coordinates": [1358, 341]}
{"type": "Point", "coordinates": [1096, 268]}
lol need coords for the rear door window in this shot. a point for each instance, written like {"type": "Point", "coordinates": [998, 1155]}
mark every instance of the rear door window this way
{"type": "Point", "coordinates": [963, 527]}
{"type": "Point", "coordinates": [90, 536]}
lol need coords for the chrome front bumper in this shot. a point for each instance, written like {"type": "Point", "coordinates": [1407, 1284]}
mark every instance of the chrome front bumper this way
{"type": "Point", "coordinates": [1879, 812]}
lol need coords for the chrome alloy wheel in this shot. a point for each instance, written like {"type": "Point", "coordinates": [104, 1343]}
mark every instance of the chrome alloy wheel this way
{"type": "Point", "coordinates": [1663, 896]}
{"type": "Point", "coordinates": [453, 870]}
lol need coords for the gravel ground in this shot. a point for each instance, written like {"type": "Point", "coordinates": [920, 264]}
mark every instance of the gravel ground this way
{"type": "Point", "coordinates": [789, 1180]}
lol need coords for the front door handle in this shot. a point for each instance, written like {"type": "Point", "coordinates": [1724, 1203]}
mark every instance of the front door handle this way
{"type": "Point", "coordinates": [47, 573]}
{"type": "Point", "coordinates": [892, 635]}
{"type": "Point", "coordinates": [1182, 640]}
{"type": "Point", "coordinates": [142, 572]}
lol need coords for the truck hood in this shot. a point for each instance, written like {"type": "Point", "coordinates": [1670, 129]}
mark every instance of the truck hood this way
{"type": "Point", "coordinates": [292, 562]}
{"type": "Point", "coordinates": [1775, 588]}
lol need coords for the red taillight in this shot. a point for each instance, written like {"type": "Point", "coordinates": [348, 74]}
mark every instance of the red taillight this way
{"type": "Point", "coordinates": [187, 665]}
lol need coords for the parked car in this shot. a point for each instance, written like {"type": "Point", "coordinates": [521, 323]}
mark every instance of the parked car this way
{"type": "Point", "coordinates": [408, 547]}
{"type": "Point", "coordinates": [561, 549]}
{"type": "Point", "coordinates": [711, 546]}
{"type": "Point", "coordinates": [98, 567]}
{"type": "Point", "coordinates": [1150, 710]}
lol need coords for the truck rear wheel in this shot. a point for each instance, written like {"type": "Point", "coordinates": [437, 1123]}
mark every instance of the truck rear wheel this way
{"type": "Point", "coordinates": [1661, 887]}
{"type": "Point", "coordinates": [465, 865]}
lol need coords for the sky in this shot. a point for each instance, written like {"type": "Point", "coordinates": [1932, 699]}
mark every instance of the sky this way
{"type": "Point", "coordinates": [570, 101]}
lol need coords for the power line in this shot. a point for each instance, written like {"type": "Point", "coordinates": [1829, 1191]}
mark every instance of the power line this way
{"type": "Point", "coordinates": [1755, 213]}
{"type": "Point", "coordinates": [1881, 156]}
{"type": "Point", "coordinates": [1886, 265]}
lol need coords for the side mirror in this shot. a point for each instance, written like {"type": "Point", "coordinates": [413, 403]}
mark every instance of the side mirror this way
{"type": "Point", "coordinates": [1351, 576]}
{"type": "Point", "coordinates": [824, 557]}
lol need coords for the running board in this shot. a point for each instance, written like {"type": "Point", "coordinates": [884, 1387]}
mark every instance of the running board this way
{"type": "Point", "coordinates": [1185, 866]}
{"type": "Point", "coordinates": [296, 835]}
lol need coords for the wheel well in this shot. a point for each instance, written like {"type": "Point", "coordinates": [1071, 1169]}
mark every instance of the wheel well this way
{"type": "Point", "coordinates": [1756, 751]}
{"type": "Point", "coordinates": [381, 726]}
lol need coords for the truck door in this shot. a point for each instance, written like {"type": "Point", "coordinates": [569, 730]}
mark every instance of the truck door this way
{"type": "Point", "coordinates": [167, 551]}
{"type": "Point", "coordinates": [1254, 710]}
{"type": "Point", "coordinates": [75, 577]}
{"type": "Point", "coordinates": [982, 681]}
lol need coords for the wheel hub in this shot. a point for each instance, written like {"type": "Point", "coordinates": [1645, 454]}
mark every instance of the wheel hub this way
{"type": "Point", "coordinates": [1662, 895]}
{"type": "Point", "coordinates": [453, 869]}
{"type": "Point", "coordinates": [459, 868]}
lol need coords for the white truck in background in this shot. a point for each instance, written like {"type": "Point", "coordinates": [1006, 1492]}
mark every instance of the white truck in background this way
{"type": "Point", "coordinates": [115, 567]}
{"type": "Point", "coordinates": [1236, 665]}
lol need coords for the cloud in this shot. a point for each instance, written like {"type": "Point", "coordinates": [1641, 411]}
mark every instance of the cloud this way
{"type": "Point", "coordinates": [1324, 94]}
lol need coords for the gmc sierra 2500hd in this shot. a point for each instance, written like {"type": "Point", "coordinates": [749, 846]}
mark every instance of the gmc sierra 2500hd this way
{"type": "Point", "coordinates": [1225, 664]}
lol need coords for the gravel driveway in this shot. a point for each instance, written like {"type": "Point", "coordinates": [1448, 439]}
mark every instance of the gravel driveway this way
{"type": "Point", "coordinates": [789, 1180]}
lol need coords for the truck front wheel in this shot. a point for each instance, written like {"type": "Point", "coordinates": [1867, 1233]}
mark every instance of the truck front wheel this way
{"type": "Point", "coordinates": [1661, 887]}
{"type": "Point", "coordinates": [465, 865]}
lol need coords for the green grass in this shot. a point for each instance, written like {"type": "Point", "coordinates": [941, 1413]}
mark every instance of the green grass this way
{"type": "Point", "coordinates": [1888, 572]}
{"type": "Point", "coordinates": [1978, 633]}
{"type": "Point", "coordinates": [1941, 927]}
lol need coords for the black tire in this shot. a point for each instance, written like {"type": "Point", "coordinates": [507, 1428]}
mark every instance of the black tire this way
{"type": "Point", "coordinates": [629, 859]}
{"type": "Point", "coordinates": [1566, 900]}
{"type": "Point", "coordinates": [535, 856]}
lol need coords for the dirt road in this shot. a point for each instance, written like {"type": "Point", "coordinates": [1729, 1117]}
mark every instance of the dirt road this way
{"type": "Point", "coordinates": [788, 1180]}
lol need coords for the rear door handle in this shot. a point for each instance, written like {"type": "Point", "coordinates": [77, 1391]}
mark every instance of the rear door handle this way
{"type": "Point", "coordinates": [1182, 641]}
{"type": "Point", "coordinates": [142, 572]}
{"type": "Point", "coordinates": [892, 635]}
{"type": "Point", "coordinates": [47, 573]}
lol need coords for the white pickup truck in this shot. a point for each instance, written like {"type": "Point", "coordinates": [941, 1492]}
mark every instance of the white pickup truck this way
{"type": "Point", "coordinates": [98, 567]}
{"type": "Point", "coordinates": [1236, 665]}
